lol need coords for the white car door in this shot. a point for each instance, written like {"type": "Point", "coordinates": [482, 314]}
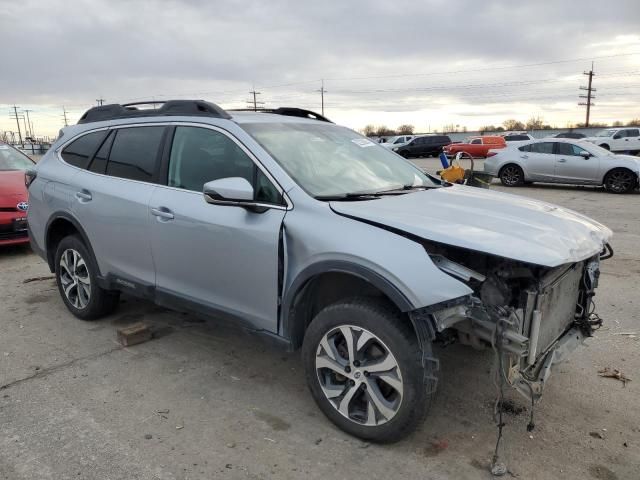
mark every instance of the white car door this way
{"type": "Point", "coordinates": [539, 161]}
{"type": "Point", "coordinates": [572, 167]}
{"type": "Point", "coordinates": [631, 139]}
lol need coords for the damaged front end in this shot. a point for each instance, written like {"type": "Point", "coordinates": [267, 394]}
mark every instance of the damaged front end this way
{"type": "Point", "coordinates": [532, 316]}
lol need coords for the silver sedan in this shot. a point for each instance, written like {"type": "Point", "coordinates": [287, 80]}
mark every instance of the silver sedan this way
{"type": "Point", "coordinates": [555, 160]}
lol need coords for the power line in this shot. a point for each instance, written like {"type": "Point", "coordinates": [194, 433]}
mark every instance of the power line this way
{"type": "Point", "coordinates": [100, 101]}
{"type": "Point", "coordinates": [15, 115]}
{"type": "Point", "coordinates": [255, 99]}
{"type": "Point", "coordinates": [26, 111]}
{"type": "Point", "coordinates": [322, 92]}
{"type": "Point", "coordinates": [589, 96]}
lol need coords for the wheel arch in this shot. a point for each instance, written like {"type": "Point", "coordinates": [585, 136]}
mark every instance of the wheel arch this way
{"type": "Point", "coordinates": [326, 282]}
{"type": "Point", "coordinates": [509, 163]}
{"type": "Point", "coordinates": [59, 226]}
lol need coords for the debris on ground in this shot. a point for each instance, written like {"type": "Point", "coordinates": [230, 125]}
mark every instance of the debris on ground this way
{"type": "Point", "coordinates": [134, 334]}
{"type": "Point", "coordinates": [614, 373]}
{"type": "Point", "coordinates": [318, 441]}
{"type": "Point", "coordinates": [38, 279]}
{"type": "Point", "coordinates": [436, 447]}
{"type": "Point", "coordinates": [148, 436]}
{"type": "Point", "coordinates": [596, 435]}
{"type": "Point", "coordinates": [179, 427]}
{"type": "Point", "coordinates": [231, 445]}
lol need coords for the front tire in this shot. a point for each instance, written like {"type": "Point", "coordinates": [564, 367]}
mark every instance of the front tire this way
{"type": "Point", "coordinates": [76, 275]}
{"type": "Point", "coordinates": [511, 176]}
{"type": "Point", "coordinates": [620, 180]}
{"type": "Point", "coordinates": [364, 368]}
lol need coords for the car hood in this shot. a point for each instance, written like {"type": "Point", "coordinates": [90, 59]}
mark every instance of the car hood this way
{"type": "Point", "coordinates": [497, 223]}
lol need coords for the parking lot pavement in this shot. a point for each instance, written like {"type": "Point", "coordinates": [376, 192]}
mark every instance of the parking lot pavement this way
{"type": "Point", "coordinates": [202, 400]}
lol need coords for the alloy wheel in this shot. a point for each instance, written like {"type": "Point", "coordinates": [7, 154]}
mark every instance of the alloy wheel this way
{"type": "Point", "coordinates": [620, 181]}
{"type": "Point", "coordinates": [511, 175]}
{"type": "Point", "coordinates": [74, 278]}
{"type": "Point", "coordinates": [359, 375]}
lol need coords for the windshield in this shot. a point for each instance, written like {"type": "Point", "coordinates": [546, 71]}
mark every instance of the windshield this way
{"type": "Point", "coordinates": [12, 159]}
{"type": "Point", "coordinates": [606, 133]}
{"type": "Point", "coordinates": [327, 160]}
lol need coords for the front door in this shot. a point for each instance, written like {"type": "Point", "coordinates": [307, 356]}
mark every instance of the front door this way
{"type": "Point", "coordinates": [571, 167]}
{"type": "Point", "coordinates": [222, 259]}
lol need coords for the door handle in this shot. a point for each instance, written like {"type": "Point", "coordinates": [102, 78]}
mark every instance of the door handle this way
{"type": "Point", "coordinates": [562, 160]}
{"type": "Point", "coordinates": [162, 213]}
{"type": "Point", "coordinates": [84, 196]}
{"type": "Point", "coordinates": [524, 156]}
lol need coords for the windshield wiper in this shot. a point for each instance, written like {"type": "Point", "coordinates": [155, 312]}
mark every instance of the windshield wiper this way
{"type": "Point", "coordinates": [347, 196]}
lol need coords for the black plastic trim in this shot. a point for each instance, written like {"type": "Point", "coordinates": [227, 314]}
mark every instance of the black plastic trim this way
{"type": "Point", "coordinates": [337, 266]}
{"type": "Point", "coordinates": [182, 108]}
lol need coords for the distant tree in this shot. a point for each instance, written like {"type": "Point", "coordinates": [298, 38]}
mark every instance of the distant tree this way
{"type": "Point", "coordinates": [488, 128]}
{"type": "Point", "coordinates": [591, 124]}
{"type": "Point", "coordinates": [450, 128]}
{"type": "Point", "coordinates": [534, 123]}
{"type": "Point", "coordinates": [383, 130]}
{"type": "Point", "coordinates": [369, 130]}
{"type": "Point", "coordinates": [634, 123]}
{"type": "Point", "coordinates": [617, 123]}
{"type": "Point", "coordinates": [464, 129]}
{"type": "Point", "coordinates": [405, 129]}
{"type": "Point", "coordinates": [513, 124]}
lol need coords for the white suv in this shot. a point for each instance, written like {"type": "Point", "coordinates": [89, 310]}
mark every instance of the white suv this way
{"type": "Point", "coordinates": [618, 139]}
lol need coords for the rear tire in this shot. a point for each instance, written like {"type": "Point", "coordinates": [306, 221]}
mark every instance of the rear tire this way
{"type": "Point", "coordinates": [511, 175]}
{"type": "Point", "coordinates": [76, 275]}
{"type": "Point", "coordinates": [404, 153]}
{"type": "Point", "coordinates": [375, 389]}
{"type": "Point", "coordinates": [620, 180]}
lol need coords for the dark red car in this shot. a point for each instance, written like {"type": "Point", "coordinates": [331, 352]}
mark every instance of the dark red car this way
{"type": "Point", "coordinates": [14, 199]}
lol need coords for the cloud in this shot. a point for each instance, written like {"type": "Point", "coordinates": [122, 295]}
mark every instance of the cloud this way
{"type": "Point", "coordinates": [376, 55]}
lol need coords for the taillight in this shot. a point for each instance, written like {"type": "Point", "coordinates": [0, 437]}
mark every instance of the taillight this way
{"type": "Point", "coordinates": [29, 177]}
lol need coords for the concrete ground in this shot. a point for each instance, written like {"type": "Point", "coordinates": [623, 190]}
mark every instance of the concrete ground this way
{"type": "Point", "coordinates": [205, 401]}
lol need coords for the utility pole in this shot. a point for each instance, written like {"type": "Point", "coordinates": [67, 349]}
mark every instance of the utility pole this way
{"type": "Point", "coordinates": [322, 92]}
{"type": "Point", "coordinates": [255, 101]}
{"type": "Point", "coordinates": [100, 101]}
{"type": "Point", "coordinates": [15, 115]}
{"type": "Point", "coordinates": [64, 115]}
{"type": "Point", "coordinates": [589, 96]}
{"type": "Point", "coordinates": [29, 123]}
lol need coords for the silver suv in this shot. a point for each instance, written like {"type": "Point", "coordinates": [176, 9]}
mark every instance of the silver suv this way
{"type": "Point", "coordinates": [313, 235]}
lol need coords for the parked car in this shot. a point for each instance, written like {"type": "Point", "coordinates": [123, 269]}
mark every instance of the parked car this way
{"type": "Point", "coordinates": [14, 199]}
{"type": "Point", "coordinates": [516, 137]}
{"type": "Point", "coordinates": [398, 141]}
{"type": "Point", "coordinates": [318, 238]}
{"type": "Point", "coordinates": [476, 146]}
{"type": "Point", "coordinates": [564, 161]}
{"type": "Point", "coordinates": [423, 146]}
{"type": "Point", "coordinates": [573, 135]}
{"type": "Point", "coordinates": [618, 139]}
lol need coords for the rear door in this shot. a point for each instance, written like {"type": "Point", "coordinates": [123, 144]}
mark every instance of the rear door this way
{"type": "Point", "coordinates": [539, 160]}
{"type": "Point", "coordinates": [112, 203]}
{"type": "Point", "coordinates": [571, 167]}
{"type": "Point", "coordinates": [631, 140]}
{"type": "Point", "coordinates": [219, 258]}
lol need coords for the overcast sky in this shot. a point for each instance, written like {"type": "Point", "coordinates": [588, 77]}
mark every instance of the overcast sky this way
{"type": "Point", "coordinates": [428, 63]}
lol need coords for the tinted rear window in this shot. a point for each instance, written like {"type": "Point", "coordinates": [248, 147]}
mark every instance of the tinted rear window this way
{"type": "Point", "coordinates": [134, 153]}
{"type": "Point", "coordinates": [78, 152]}
{"type": "Point", "coordinates": [515, 138]}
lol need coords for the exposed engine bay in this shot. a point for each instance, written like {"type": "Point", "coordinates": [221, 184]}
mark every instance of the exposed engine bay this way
{"type": "Point", "coordinates": [532, 316]}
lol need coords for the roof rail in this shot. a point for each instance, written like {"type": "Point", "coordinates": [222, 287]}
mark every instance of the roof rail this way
{"type": "Point", "coordinates": [168, 108]}
{"type": "Point", "coordinates": [287, 111]}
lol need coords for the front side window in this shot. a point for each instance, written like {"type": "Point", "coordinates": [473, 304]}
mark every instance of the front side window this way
{"type": "Point", "coordinates": [12, 159]}
{"type": "Point", "coordinates": [543, 147]}
{"type": "Point", "coordinates": [329, 160]}
{"type": "Point", "coordinates": [476, 141]}
{"type": "Point", "coordinates": [200, 155]}
{"type": "Point", "coordinates": [568, 149]}
{"type": "Point", "coordinates": [607, 133]}
{"type": "Point", "coordinates": [134, 153]}
{"type": "Point", "coordinates": [78, 152]}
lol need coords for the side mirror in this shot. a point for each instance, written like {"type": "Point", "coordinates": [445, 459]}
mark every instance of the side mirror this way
{"type": "Point", "coordinates": [228, 191]}
{"type": "Point", "coordinates": [585, 154]}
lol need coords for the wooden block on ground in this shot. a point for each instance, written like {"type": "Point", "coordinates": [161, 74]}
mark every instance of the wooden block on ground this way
{"type": "Point", "coordinates": [134, 334]}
